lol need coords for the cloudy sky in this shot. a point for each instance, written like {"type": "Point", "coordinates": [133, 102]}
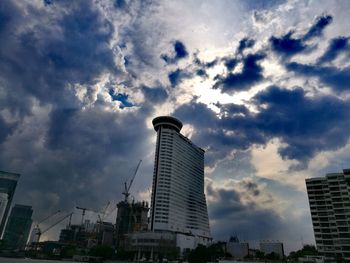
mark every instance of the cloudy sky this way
{"type": "Point", "coordinates": [262, 86]}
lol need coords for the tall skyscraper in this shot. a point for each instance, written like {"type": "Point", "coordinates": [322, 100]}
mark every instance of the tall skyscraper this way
{"type": "Point", "coordinates": [18, 227]}
{"type": "Point", "coordinates": [329, 200]}
{"type": "Point", "coordinates": [178, 201]}
{"type": "Point", "coordinates": [8, 183]}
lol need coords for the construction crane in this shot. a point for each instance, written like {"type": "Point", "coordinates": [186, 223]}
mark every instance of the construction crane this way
{"type": "Point", "coordinates": [100, 214]}
{"type": "Point", "coordinates": [103, 212]}
{"type": "Point", "coordinates": [84, 209]}
{"type": "Point", "coordinates": [48, 217]}
{"type": "Point", "coordinates": [39, 233]}
{"type": "Point", "coordinates": [37, 225]}
{"type": "Point", "coordinates": [127, 187]}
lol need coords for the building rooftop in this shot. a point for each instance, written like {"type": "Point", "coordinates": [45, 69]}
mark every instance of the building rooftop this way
{"type": "Point", "coordinates": [167, 121]}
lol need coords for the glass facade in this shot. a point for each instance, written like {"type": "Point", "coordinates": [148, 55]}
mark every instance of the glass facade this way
{"type": "Point", "coordinates": [8, 183]}
{"type": "Point", "coordinates": [18, 227]}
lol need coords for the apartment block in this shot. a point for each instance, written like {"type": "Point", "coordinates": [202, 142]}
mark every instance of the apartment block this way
{"type": "Point", "coordinates": [329, 201]}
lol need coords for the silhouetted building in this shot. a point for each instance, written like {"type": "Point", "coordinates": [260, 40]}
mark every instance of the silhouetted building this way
{"type": "Point", "coordinates": [34, 236]}
{"type": "Point", "coordinates": [3, 204]}
{"type": "Point", "coordinates": [329, 200]}
{"type": "Point", "coordinates": [105, 233]}
{"type": "Point", "coordinates": [88, 234]}
{"type": "Point", "coordinates": [237, 249]}
{"type": "Point", "coordinates": [131, 218]}
{"type": "Point", "coordinates": [178, 199]}
{"type": "Point", "coordinates": [18, 227]}
{"type": "Point", "coordinates": [74, 235]}
{"type": "Point", "coordinates": [275, 248]}
{"type": "Point", "coordinates": [8, 183]}
{"type": "Point", "coordinates": [152, 245]}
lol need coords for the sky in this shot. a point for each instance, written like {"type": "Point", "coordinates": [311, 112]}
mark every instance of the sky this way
{"type": "Point", "coordinates": [262, 86]}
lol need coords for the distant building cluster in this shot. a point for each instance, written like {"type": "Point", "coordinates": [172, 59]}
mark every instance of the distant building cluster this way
{"type": "Point", "coordinates": [240, 250]}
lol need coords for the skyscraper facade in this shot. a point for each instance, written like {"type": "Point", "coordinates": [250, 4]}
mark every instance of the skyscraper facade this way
{"type": "Point", "coordinates": [18, 227]}
{"type": "Point", "coordinates": [178, 201]}
{"type": "Point", "coordinates": [8, 183]}
{"type": "Point", "coordinates": [329, 199]}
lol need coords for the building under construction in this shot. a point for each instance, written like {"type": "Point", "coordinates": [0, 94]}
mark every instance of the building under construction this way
{"type": "Point", "coordinates": [131, 218]}
{"type": "Point", "coordinates": [88, 235]}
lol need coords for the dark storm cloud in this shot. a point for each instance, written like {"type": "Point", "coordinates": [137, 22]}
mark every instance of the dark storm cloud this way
{"type": "Point", "coordinates": [251, 221]}
{"type": "Point", "coordinates": [337, 78]}
{"type": "Point", "coordinates": [262, 4]}
{"type": "Point", "coordinates": [305, 124]}
{"type": "Point", "coordinates": [317, 28]}
{"type": "Point", "coordinates": [48, 2]}
{"type": "Point", "coordinates": [5, 129]}
{"type": "Point", "coordinates": [65, 152]}
{"type": "Point", "coordinates": [251, 187]}
{"type": "Point", "coordinates": [7, 10]}
{"type": "Point", "coordinates": [154, 95]}
{"type": "Point", "coordinates": [120, 4]}
{"type": "Point", "coordinates": [201, 73]}
{"type": "Point", "coordinates": [336, 47]}
{"type": "Point", "coordinates": [230, 63]}
{"type": "Point", "coordinates": [59, 119]}
{"type": "Point", "coordinates": [85, 151]}
{"type": "Point", "coordinates": [287, 45]}
{"type": "Point", "coordinates": [202, 67]}
{"type": "Point", "coordinates": [210, 132]}
{"type": "Point", "coordinates": [122, 97]}
{"type": "Point", "coordinates": [251, 74]}
{"type": "Point", "coordinates": [245, 43]}
{"type": "Point", "coordinates": [297, 119]}
{"type": "Point", "coordinates": [177, 76]}
{"type": "Point", "coordinates": [180, 52]}
{"type": "Point", "coordinates": [72, 49]}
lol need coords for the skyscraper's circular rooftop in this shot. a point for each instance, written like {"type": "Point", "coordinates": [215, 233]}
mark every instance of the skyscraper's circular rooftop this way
{"type": "Point", "coordinates": [167, 121]}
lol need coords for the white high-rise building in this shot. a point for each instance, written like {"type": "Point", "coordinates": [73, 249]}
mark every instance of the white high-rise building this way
{"type": "Point", "coordinates": [329, 199]}
{"type": "Point", "coordinates": [178, 201]}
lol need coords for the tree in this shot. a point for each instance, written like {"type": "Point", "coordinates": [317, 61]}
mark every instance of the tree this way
{"type": "Point", "coordinates": [68, 251]}
{"type": "Point", "coordinates": [124, 255]}
{"type": "Point", "coordinates": [102, 251]}
{"type": "Point", "coordinates": [203, 254]}
{"type": "Point", "coordinates": [2, 244]}
{"type": "Point", "coordinates": [198, 255]}
{"type": "Point", "coordinates": [307, 250]}
{"type": "Point", "coordinates": [272, 256]}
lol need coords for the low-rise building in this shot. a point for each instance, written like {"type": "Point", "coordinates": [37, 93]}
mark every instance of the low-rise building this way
{"type": "Point", "coordinates": [272, 247]}
{"type": "Point", "coordinates": [236, 249]}
{"type": "Point", "coordinates": [152, 245]}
